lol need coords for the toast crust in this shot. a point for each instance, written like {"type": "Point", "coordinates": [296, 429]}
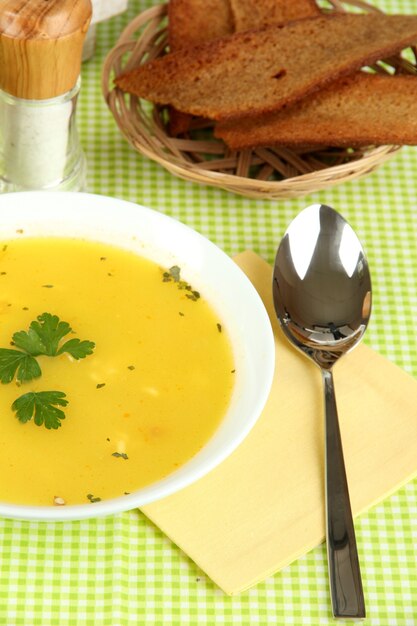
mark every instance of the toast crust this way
{"type": "Point", "coordinates": [191, 22]}
{"type": "Point", "coordinates": [249, 14]}
{"type": "Point", "coordinates": [260, 71]}
{"type": "Point", "coordinates": [362, 110]}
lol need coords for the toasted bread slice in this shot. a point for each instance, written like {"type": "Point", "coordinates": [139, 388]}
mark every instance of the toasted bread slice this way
{"type": "Point", "coordinates": [258, 71]}
{"type": "Point", "coordinates": [362, 110]}
{"type": "Point", "coordinates": [191, 22]}
{"type": "Point", "coordinates": [250, 14]}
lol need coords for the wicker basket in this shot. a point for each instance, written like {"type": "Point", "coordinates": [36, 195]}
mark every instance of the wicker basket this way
{"type": "Point", "coordinates": [273, 172]}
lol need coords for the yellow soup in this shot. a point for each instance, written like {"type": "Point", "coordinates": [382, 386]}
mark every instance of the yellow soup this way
{"type": "Point", "coordinates": [143, 403]}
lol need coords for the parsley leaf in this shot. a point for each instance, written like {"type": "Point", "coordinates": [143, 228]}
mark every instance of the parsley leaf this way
{"type": "Point", "coordinates": [43, 405]}
{"type": "Point", "coordinates": [44, 335]}
{"type": "Point", "coordinates": [12, 361]}
{"type": "Point", "coordinates": [29, 341]}
{"type": "Point", "coordinates": [77, 349]}
{"type": "Point", "coordinates": [50, 330]}
{"type": "Point", "coordinates": [42, 338]}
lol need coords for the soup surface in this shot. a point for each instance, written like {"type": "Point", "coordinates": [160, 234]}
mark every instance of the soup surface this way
{"type": "Point", "coordinates": [150, 395]}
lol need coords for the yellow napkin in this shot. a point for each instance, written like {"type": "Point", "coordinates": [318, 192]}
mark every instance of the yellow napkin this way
{"type": "Point", "coordinates": [264, 506]}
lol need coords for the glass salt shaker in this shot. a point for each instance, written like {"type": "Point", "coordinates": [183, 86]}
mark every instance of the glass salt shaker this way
{"type": "Point", "coordinates": [40, 60]}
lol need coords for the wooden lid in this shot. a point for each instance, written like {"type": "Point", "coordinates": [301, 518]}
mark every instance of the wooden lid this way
{"type": "Point", "coordinates": [41, 46]}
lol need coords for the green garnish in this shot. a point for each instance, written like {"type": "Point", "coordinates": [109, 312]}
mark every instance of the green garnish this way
{"type": "Point", "coordinates": [219, 328]}
{"type": "Point", "coordinates": [44, 335]}
{"type": "Point", "coordinates": [29, 341]}
{"type": "Point", "coordinates": [100, 385]}
{"type": "Point", "coordinates": [21, 364]}
{"type": "Point", "coordinates": [93, 498]}
{"type": "Point", "coordinates": [43, 406]}
{"type": "Point", "coordinates": [174, 274]}
{"type": "Point", "coordinates": [42, 338]}
{"type": "Point", "coordinates": [121, 455]}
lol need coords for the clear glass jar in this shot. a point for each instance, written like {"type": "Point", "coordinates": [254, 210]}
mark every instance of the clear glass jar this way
{"type": "Point", "coordinates": [39, 144]}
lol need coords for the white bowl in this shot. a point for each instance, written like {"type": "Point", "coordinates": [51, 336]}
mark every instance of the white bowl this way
{"type": "Point", "coordinates": [210, 270]}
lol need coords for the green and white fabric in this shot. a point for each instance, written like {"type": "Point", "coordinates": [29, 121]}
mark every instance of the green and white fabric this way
{"type": "Point", "coordinates": [121, 570]}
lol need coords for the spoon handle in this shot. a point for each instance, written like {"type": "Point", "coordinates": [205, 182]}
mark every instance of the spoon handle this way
{"type": "Point", "coordinates": [342, 554]}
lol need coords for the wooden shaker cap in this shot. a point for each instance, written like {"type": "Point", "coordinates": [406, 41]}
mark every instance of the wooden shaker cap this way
{"type": "Point", "coordinates": [41, 46]}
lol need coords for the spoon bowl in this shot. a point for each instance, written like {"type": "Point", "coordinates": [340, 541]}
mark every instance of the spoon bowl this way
{"type": "Point", "coordinates": [322, 285]}
{"type": "Point", "coordinates": [322, 297]}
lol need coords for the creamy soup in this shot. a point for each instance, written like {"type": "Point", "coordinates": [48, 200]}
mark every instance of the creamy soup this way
{"type": "Point", "coordinates": [148, 397]}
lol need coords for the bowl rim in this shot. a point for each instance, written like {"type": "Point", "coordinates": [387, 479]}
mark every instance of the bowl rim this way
{"type": "Point", "coordinates": [49, 212]}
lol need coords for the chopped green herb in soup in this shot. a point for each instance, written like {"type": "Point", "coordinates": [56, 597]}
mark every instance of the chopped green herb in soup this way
{"type": "Point", "coordinates": [114, 371]}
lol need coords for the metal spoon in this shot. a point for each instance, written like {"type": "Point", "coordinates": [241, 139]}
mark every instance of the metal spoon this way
{"type": "Point", "coordinates": [322, 297]}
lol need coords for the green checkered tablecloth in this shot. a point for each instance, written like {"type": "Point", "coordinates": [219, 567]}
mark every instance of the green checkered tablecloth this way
{"type": "Point", "coordinates": [122, 570]}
